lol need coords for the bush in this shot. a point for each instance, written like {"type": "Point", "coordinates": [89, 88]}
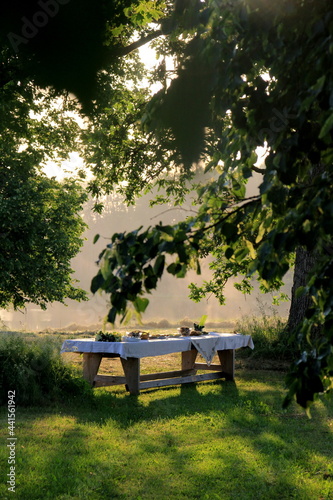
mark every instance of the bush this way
{"type": "Point", "coordinates": [164, 323]}
{"type": "Point", "coordinates": [35, 370]}
{"type": "Point", "coordinates": [270, 337]}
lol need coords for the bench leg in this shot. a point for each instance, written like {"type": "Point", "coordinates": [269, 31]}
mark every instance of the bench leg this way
{"type": "Point", "coordinates": [91, 362]}
{"type": "Point", "coordinates": [131, 367]}
{"type": "Point", "coordinates": [227, 360]}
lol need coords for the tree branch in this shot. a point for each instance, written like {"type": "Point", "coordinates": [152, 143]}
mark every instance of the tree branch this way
{"type": "Point", "coordinates": [222, 219]}
{"type": "Point", "coordinates": [123, 51]}
{"type": "Point", "coordinates": [257, 169]}
{"type": "Point", "coordinates": [171, 209]}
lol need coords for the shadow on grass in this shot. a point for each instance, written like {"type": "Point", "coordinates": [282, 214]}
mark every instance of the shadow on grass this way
{"type": "Point", "coordinates": [127, 409]}
{"type": "Point", "coordinates": [217, 440]}
{"type": "Point", "coordinates": [100, 405]}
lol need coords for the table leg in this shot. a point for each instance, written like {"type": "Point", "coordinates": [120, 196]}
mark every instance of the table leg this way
{"type": "Point", "coordinates": [131, 367]}
{"type": "Point", "coordinates": [188, 359]}
{"type": "Point", "coordinates": [227, 360]}
{"type": "Point", "coordinates": [91, 362]}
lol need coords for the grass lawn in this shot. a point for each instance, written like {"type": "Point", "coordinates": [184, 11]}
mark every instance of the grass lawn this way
{"type": "Point", "coordinates": [213, 440]}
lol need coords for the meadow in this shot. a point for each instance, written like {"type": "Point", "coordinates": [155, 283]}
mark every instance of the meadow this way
{"type": "Point", "coordinates": [212, 440]}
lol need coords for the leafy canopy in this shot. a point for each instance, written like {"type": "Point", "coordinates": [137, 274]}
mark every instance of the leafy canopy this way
{"type": "Point", "coordinates": [250, 73]}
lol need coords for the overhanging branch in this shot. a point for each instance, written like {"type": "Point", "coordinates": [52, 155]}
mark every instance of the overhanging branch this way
{"type": "Point", "coordinates": [123, 51]}
{"type": "Point", "coordinates": [257, 169]}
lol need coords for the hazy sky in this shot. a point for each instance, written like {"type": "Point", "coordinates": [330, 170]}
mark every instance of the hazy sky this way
{"type": "Point", "coordinates": [170, 301]}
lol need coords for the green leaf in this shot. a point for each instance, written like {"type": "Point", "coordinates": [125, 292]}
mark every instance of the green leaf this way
{"type": "Point", "coordinates": [182, 272]}
{"type": "Point", "coordinates": [261, 232]}
{"type": "Point", "coordinates": [97, 283]}
{"type": "Point", "coordinates": [202, 320]}
{"type": "Point", "coordinates": [174, 268]}
{"type": "Point", "coordinates": [318, 86]}
{"type": "Point", "coordinates": [127, 316]}
{"type": "Point", "coordinates": [180, 236]}
{"type": "Point", "coordinates": [307, 226]}
{"type": "Point", "coordinates": [149, 271]}
{"type": "Point", "coordinates": [140, 304]}
{"type": "Point", "coordinates": [118, 300]}
{"type": "Point", "coordinates": [150, 282]}
{"type": "Point", "coordinates": [159, 265]}
{"type": "Point", "coordinates": [241, 254]}
{"type": "Point", "coordinates": [252, 251]}
{"type": "Point", "coordinates": [112, 314]}
{"type": "Point", "coordinates": [229, 252]}
{"type": "Point", "coordinates": [326, 127]}
{"type": "Point", "coordinates": [166, 229]}
{"type": "Point", "coordinates": [111, 284]}
{"type": "Point", "coordinates": [96, 238]}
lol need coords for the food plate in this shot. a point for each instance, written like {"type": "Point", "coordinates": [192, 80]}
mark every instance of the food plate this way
{"type": "Point", "coordinates": [131, 339]}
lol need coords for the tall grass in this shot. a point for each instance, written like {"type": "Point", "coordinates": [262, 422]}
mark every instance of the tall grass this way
{"type": "Point", "coordinates": [270, 336]}
{"type": "Point", "coordinates": [35, 370]}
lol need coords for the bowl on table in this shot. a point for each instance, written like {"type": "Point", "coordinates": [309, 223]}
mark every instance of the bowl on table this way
{"type": "Point", "coordinates": [184, 330]}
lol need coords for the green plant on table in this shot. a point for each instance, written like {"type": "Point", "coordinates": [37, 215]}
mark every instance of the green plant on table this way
{"type": "Point", "coordinates": [199, 327]}
{"type": "Point", "coordinates": [108, 337]}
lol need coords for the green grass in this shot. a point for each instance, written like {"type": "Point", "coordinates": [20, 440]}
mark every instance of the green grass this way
{"type": "Point", "coordinates": [214, 440]}
{"type": "Point", "coordinates": [271, 339]}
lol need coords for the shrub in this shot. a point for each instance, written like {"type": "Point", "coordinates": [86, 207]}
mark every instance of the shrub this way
{"type": "Point", "coordinates": [270, 337]}
{"type": "Point", "coordinates": [164, 323]}
{"type": "Point", "coordinates": [35, 370]}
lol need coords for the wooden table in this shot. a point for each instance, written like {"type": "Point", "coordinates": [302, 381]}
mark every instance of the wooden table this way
{"type": "Point", "coordinates": [130, 353]}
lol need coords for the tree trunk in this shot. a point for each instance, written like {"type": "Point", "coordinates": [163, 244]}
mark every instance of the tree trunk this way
{"type": "Point", "coordinates": [303, 264]}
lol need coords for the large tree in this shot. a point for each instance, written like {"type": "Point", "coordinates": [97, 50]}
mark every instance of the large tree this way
{"type": "Point", "coordinates": [40, 223]}
{"type": "Point", "coordinates": [40, 232]}
{"type": "Point", "coordinates": [249, 74]}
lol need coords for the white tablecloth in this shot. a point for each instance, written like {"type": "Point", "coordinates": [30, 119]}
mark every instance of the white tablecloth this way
{"type": "Point", "coordinates": [206, 345]}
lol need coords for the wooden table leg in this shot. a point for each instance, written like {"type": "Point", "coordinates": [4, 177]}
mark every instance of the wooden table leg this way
{"type": "Point", "coordinates": [91, 362]}
{"type": "Point", "coordinates": [227, 360]}
{"type": "Point", "coordinates": [131, 367]}
{"type": "Point", "coordinates": [188, 359]}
